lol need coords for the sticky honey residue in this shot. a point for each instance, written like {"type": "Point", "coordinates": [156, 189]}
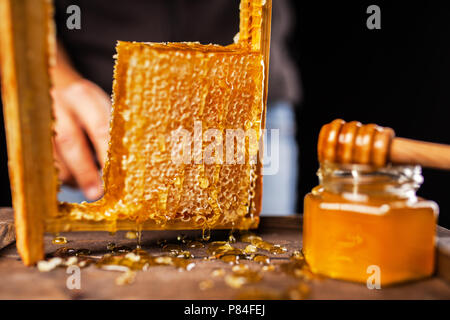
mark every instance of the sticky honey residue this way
{"type": "Point", "coordinates": [259, 243]}
{"type": "Point", "coordinates": [59, 240]}
{"type": "Point", "coordinates": [242, 275]}
{"type": "Point", "coordinates": [206, 284]}
{"type": "Point", "coordinates": [245, 263]}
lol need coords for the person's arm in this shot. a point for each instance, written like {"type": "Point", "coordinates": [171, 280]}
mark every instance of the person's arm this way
{"type": "Point", "coordinates": [82, 111]}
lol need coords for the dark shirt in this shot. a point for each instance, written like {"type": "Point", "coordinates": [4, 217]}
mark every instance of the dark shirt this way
{"type": "Point", "coordinates": [104, 22]}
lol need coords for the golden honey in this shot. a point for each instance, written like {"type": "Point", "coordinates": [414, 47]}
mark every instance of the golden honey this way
{"type": "Point", "coordinates": [162, 165]}
{"type": "Point", "coordinates": [246, 267]}
{"type": "Point", "coordinates": [366, 224]}
{"type": "Point", "coordinates": [59, 240]}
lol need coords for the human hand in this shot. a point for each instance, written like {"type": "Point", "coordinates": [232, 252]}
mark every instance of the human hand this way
{"type": "Point", "coordinates": [82, 112]}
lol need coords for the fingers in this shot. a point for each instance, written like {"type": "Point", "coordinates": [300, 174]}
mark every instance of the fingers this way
{"type": "Point", "coordinates": [92, 109]}
{"type": "Point", "coordinates": [63, 172]}
{"type": "Point", "coordinates": [74, 151]}
{"type": "Point", "coordinates": [81, 108]}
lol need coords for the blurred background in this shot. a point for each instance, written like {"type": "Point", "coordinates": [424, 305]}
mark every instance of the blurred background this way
{"type": "Point", "coordinates": [325, 64]}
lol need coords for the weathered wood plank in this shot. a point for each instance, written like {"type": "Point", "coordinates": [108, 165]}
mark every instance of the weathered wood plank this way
{"type": "Point", "coordinates": [7, 233]}
{"type": "Point", "coordinates": [168, 283]}
{"type": "Point", "coordinates": [24, 61]}
{"type": "Point", "coordinates": [443, 255]}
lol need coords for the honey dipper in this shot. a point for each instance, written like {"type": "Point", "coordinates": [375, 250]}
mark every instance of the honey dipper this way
{"type": "Point", "coordinates": [352, 142]}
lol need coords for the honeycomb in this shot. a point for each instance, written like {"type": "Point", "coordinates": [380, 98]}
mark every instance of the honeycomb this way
{"type": "Point", "coordinates": [161, 90]}
{"type": "Point", "coordinates": [184, 136]}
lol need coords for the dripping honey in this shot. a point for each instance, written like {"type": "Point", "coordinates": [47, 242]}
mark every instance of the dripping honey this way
{"type": "Point", "coordinates": [59, 240]}
{"type": "Point", "coordinates": [362, 220]}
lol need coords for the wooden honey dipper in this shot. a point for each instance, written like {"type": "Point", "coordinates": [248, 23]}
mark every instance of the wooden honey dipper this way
{"type": "Point", "coordinates": [352, 142]}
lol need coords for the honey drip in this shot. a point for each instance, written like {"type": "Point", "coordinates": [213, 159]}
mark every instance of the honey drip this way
{"type": "Point", "coordinates": [59, 240]}
{"type": "Point", "coordinates": [206, 234]}
{"type": "Point", "coordinates": [139, 237]}
{"type": "Point", "coordinates": [131, 235]}
{"type": "Point", "coordinates": [259, 243]}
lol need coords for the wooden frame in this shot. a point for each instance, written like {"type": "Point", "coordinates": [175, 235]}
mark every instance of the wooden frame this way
{"type": "Point", "coordinates": [26, 44]}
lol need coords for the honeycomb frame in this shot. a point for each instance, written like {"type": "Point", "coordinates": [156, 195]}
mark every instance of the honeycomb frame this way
{"type": "Point", "coordinates": [36, 208]}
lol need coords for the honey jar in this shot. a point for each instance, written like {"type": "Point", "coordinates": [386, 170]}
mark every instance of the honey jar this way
{"type": "Point", "coordinates": [360, 220]}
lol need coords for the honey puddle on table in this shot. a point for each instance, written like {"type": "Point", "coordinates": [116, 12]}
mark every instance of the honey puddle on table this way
{"type": "Point", "coordinates": [248, 265]}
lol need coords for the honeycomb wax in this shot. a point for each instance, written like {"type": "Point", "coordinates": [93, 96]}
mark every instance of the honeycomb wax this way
{"type": "Point", "coordinates": [164, 91]}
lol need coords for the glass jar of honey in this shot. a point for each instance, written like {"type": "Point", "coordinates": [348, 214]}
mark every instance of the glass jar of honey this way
{"type": "Point", "coordinates": [361, 220]}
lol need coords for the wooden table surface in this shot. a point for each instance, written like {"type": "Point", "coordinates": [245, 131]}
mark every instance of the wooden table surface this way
{"type": "Point", "coordinates": [165, 282]}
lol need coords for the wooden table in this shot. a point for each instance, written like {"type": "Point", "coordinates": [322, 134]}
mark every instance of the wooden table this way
{"type": "Point", "coordinates": [164, 282]}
